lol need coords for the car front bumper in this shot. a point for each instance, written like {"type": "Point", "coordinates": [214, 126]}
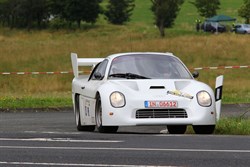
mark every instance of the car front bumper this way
{"type": "Point", "coordinates": [188, 112]}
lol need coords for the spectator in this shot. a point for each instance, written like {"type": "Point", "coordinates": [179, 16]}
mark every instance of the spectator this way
{"type": "Point", "coordinates": [198, 22]}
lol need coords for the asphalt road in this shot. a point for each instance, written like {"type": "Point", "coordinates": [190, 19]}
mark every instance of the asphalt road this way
{"type": "Point", "coordinates": [49, 138]}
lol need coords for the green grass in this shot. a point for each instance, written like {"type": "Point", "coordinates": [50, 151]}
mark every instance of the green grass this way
{"type": "Point", "coordinates": [229, 126]}
{"type": "Point", "coordinates": [142, 12]}
{"type": "Point", "coordinates": [187, 14]}
{"type": "Point", "coordinates": [31, 102]}
{"type": "Point", "coordinates": [233, 126]}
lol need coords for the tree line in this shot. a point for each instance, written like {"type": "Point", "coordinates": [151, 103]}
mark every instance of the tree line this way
{"type": "Point", "coordinates": [65, 13]}
{"type": "Point", "coordinates": [39, 13]}
{"type": "Point", "coordinates": [42, 13]}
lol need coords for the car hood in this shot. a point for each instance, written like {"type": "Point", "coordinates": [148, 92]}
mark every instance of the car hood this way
{"type": "Point", "coordinates": [159, 86]}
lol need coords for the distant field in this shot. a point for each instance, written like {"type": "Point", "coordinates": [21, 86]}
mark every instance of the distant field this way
{"type": "Point", "coordinates": [49, 50]}
{"type": "Point", "coordinates": [187, 14]}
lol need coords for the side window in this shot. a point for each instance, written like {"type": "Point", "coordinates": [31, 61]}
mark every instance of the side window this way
{"type": "Point", "coordinates": [99, 71]}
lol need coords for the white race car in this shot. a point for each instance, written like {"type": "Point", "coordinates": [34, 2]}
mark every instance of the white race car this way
{"type": "Point", "coordinates": [142, 88]}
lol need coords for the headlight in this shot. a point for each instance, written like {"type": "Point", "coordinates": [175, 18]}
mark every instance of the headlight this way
{"type": "Point", "coordinates": [204, 99]}
{"type": "Point", "coordinates": [117, 99]}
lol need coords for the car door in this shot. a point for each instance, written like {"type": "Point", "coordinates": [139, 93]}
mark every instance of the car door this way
{"type": "Point", "coordinates": [95, 80]}
{"type": "Point", "coordinates": [239, 28]}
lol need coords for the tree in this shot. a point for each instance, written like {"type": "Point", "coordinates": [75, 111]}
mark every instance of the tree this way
{"type": "Point", "coordinates": [165, 12]}
{"type": "Point", "coordinates": [57, 8]}
{"type": "Point", "coordinates": [76, 10]}
{"type": "Point", "coordinates": [207, 8]}
{"type": "Point", "coordinates": [9, 11]}
{"type": "Point", "coordinates": [82, 10]}
{"type": "Point", "coordinates": [119, 11]}
{"type": "Point", "coordinates": [23, 13]}
{"type": "Point", "coordinates": [34, 12]}
{"type": "Point", "coordinates": [3, 12]}
{"type": "Point", "coordinates": [244, 11]}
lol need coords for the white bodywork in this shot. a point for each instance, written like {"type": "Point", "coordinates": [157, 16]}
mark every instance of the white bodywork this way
{"type": "Point", "coordinates": [141, 97]}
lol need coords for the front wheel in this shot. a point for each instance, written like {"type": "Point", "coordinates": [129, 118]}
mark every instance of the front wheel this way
{"type": "Point", "coordinates": [177, 129]}
{"type": "Point", "coordinates": [98, 118]}
{"type": "Point", "coordinates": [203, 129]}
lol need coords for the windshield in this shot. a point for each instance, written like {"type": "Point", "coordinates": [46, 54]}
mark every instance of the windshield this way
{"type": "Point", "coordinates": [148, 66]}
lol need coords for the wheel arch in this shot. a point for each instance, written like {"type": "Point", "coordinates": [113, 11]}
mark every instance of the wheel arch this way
{"type": "Point", "coordinates": [97, 95]}
{"type": "Point", "coordinates": [75, 95]}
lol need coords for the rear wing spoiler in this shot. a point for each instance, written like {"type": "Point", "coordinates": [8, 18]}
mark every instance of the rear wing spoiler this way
{"type": "Point", "coordinates": [76, 62]}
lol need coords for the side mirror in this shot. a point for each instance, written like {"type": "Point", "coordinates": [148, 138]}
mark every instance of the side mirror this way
{"type": "Point", "coordinates": [195, 74]}
{"type": "Point", "coordinates": [98, 76]}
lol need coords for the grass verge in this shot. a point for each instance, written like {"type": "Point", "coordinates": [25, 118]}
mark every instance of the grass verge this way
{"type": "Point", "coordinates": [13, 103]}
{"type": "Point", "coordinates": [229, 126]}
{"type": "Point", "coordinates": [233, 126]}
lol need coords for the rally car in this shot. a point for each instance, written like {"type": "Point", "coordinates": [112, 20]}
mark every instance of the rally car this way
{"type": "Point", "coordinates": [142, 88]}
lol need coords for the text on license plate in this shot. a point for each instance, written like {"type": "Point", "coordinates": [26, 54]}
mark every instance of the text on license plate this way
{"type": "Point", "coordinates": [161, 104]}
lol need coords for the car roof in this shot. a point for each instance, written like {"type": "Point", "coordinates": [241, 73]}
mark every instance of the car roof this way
{"type": "Point", "coordinates": [140, 53]}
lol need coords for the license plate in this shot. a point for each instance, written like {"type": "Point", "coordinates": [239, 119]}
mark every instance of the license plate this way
{"type": "Point", "coordinates": [161, 104]}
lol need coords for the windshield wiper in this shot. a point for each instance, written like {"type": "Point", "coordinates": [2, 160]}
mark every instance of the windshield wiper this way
{"type": "Point", "coordinates": [128, 76]}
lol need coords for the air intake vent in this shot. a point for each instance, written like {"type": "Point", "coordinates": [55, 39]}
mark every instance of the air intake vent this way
{"type": "Point", "coordinates": [157, 87]}
{"type": "Point", "coordinates": [161, 113]}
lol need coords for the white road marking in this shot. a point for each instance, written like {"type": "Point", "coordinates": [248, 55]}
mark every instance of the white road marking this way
{"type": "Point", "coordinates": [71, 164]}
{"type": "Point", "coordinates": [60, 140]}
{"type": "Point", "coordinates": [50, 132]}
{"type": "Point", "coordinates": [125, 149]}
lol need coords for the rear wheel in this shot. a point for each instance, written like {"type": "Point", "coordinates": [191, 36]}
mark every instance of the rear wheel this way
{"type": "Point", "coordinates": [98, 118]}
{"type": "Point", "coordinates": [203, 129]}
{"type": "Point", "coordinates": [177, 129]}
{"type": "Point", "coordinates": [79, 126]}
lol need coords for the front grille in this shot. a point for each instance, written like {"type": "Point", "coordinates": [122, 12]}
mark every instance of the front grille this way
{"type": "Point", "coordinates": [161, 113]}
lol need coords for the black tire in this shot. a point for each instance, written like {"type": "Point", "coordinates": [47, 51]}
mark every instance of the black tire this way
{"type": "Point", "coordinates": [98, 118]}
{"type": "Point", "coordinates": [177, 129]}
{"type": "Point", "coordinates": [203, 129]}
{"type": "Point", "coordinates": [89, 128]}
